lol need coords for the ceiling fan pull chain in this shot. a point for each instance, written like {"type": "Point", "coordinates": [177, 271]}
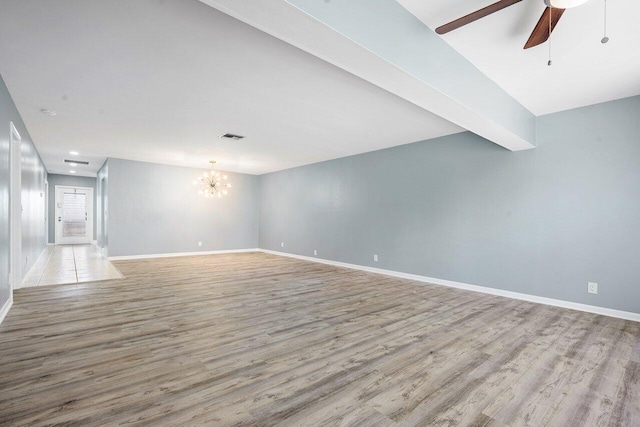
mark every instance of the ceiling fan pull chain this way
{"type": "Point", "coordinates": [605, 38]}
{"type": "Point", "coordinates": [549, 63]}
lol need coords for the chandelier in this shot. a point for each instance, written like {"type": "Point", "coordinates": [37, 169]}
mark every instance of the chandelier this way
{"type": "Point", "coordinates": [213, 184]}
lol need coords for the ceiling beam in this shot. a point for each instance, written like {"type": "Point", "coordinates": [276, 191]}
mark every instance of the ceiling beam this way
{"type": "Point", "coordinates": [381, 42]}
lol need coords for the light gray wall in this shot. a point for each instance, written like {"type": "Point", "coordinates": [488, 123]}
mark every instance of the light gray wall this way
{"type": "Point", "coordinates": [70, 181]}
{"type": "Point", "coordinates": [32, 194]}
{"type": "Point", "coordinates": [155, 209]}
{"type": "Point", "coordinates": [540, 222]}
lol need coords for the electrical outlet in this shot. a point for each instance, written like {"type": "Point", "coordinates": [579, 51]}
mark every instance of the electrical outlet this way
{"type": "Point", "coordinates": [199, 243]}
{"type": "Point", "coordinates": [592, 288]}
{"type": "Point", "coordinates": [315, 252]}
{"type": "Point", "coordinates": [375, 257]}
{"type": "Point", "coordinates": [282, 244]}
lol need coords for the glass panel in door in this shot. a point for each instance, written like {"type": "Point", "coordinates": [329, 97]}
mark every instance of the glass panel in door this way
{"type": "Point", "coordinates": [74, 215]}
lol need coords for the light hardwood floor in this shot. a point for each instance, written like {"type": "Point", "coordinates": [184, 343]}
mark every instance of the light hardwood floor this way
{"type": "Point", "coordinates": [257, 339]}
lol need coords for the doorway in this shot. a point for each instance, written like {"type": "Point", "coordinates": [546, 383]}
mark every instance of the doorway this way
{"type": "Point", "coordinates": [103, 241]}
{"type": "Point", "coordinates": [74, 215]}
{"type": "Point", "coordinates": [15, 208]}
{"type": "Point", "coordinates": [46, 210]}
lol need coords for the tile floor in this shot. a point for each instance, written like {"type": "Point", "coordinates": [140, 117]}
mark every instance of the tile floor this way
{"type": "Point", "coordinates": [70, 264]}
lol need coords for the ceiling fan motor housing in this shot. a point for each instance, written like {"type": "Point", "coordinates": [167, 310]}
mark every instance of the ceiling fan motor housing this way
{"type": "Point", "coordinates": [564, 4]}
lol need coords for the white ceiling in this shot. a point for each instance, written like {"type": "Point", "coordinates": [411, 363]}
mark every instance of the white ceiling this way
{"type": "Point", "coordinates": [584, 71]}
{"type": "Point", "coordinates": [159, 80]}
{"type": "Point", "coordinates": [388, 47]}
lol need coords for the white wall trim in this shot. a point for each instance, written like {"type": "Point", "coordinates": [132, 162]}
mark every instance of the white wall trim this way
{"type": "Point", "coordinates": [177, 254]}
{"type": "Point", "coordinates": [5, 308]}
{"type": "Point", "coordinates": [627, 315]}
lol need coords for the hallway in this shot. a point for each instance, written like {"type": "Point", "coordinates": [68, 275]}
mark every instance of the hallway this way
{"type": "Point", "coordinates": [64, 264]}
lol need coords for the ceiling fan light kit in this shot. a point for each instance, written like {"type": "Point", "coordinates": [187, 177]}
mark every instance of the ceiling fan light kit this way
{"type": "Point", "coordinates": [564, 4]}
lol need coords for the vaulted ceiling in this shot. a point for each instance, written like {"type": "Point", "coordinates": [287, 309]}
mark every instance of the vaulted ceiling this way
{"type": "Point", "coordinates": [583, 72]}
{"type": "Point", "coordinates": [304, 81]}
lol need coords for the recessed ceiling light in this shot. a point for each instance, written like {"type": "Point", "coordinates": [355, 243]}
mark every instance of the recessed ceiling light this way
{"type": "Point", "coordinates": [72, 171]}
{"type": "Point", "coordinates": [74, 153]}
{"type": "Point", "coordinates": [73, 165]}
{"type": "Point", "coordinates": [48, 112]}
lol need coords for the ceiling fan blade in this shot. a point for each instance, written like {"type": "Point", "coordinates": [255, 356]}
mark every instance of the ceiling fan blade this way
{"type": "Point", "coordinates": [485, 11]}
{"type": "Point", "coordinates": [541, 31]}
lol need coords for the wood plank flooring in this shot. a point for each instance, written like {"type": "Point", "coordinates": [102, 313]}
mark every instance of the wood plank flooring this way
{"type": "Point", "coordinates": [258, 340]}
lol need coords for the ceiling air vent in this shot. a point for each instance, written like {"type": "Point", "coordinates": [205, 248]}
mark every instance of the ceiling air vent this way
{"type": "Point", "coordinates": [80, 162]}
{"type": "Point", "coordinates": [231, 136]}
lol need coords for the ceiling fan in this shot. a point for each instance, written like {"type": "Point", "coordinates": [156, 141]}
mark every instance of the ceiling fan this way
{"type": "Point", "coordinates": [542, 30]}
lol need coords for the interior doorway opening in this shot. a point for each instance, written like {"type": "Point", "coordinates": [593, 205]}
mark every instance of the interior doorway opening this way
{"type": "Point", "coordinates": [15, 208]}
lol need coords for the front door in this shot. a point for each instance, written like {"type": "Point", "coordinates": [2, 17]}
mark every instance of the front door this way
{"type": "Point", "coordinates": [74, 215]}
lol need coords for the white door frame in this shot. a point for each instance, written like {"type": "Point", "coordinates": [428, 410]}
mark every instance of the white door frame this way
{"type": "Point", "coordinates": [46, 210]}
{"type": "Point", "coordinates": [58, 233]}
{"type": "Point", "coordinates": [15, 208]}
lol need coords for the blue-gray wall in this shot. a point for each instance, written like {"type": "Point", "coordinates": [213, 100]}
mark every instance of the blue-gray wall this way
{"type": "Point", "coordinates": [32, 194]}
{"type": "Point", "coordinates": [154, 209]}
{"type": "Point", "coordinates": [70, 181]}
{"type": "Point", "coordinates": [540, 222]}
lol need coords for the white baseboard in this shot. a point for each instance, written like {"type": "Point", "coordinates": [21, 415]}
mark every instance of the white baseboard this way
{"type": "Point", "coordinates": [177, 254]}
{"type": "Point", "coordinates": [5, 308]}
{"type": "Point", "coordinates": [627, 315]}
